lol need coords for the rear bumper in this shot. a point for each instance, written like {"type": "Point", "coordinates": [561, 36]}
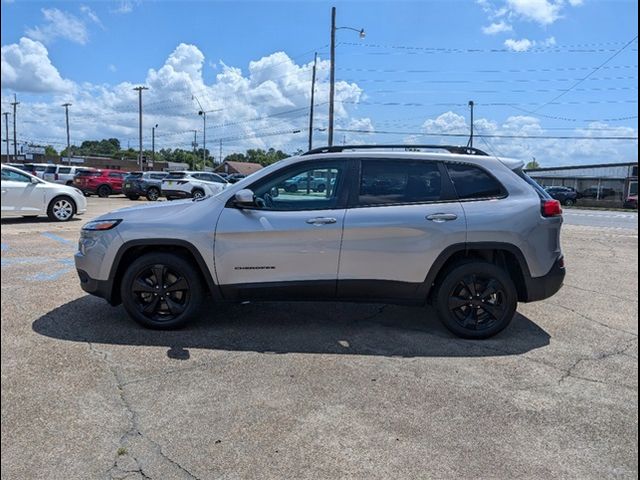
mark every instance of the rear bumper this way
{"type": "Point", "coordinates": [540, 288]}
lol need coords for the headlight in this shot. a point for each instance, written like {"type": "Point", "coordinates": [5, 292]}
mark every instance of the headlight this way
{"type": "Point", "coordinates": [101, 225]}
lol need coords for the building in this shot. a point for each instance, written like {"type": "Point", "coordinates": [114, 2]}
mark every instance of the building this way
{"type": "Point", "coordinates": [242, 168]}
{"type": "Point", "coordinates": [605, 184]}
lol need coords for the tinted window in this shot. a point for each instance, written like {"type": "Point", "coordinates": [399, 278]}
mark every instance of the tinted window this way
{"type": "Point", "coordinates": [133, 175]}
{"type": "Point", "coordinates": [388, 182]}
{"type": "Point", "coordinates": [472, 182]}
{"type": "Point", "coordinates": [10, 175]}
{"type": "Point", "coordinates": [305, 188]}
{"type": "Point", "coordinates": [88, 173]}
{"type": "Point", "coordinates": [175, 175]}
{"type": "Point", "coordinates": [64, 170]}
{"type": "Point", "coordinates": [157, 176]}
{"type": "Point", "coordinates": [115, 175]}
{"type": "Point", "coordinates": [51, 169]}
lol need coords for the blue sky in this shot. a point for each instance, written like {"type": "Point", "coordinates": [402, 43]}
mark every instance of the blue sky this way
{"type": "Point", "coordinates": [413, 74]}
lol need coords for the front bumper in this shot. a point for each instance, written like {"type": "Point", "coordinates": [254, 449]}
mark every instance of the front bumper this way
{"type": "Point", "coordinates": [540, 288]}
{"type": "Point", "coordinates": [99, 288]}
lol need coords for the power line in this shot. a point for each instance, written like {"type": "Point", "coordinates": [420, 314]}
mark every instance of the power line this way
{"type": "Point", "coordinates": [618, 52]}
{"type": "Point", "coordinates": [508, 70]}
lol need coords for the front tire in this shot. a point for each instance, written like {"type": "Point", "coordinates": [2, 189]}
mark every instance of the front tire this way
{"type": "Point", "coordinates": [197, 193]}
{"type": "Point", "coordinates": [569, 202]}
{"type": "Point", "coordinates": [61, 209]}
{"type": "Point", "coordinates": [476, 299]}
{"type": "Point", "coordinates": [161, 291]}
{"type": "Point", "coordinates": [133, 197]}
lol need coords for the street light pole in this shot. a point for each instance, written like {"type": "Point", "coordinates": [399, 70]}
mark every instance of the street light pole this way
{"type": "Point", "coordinates": [14, 104]}
{"type": "Point", "coordinates": [204, 137]}
{"type": "Point", "coordinates": [6, 127]}
{"type": "Point", "coordinates": [471, 105]}
{"type": "Point", "coordinates": [66, 112]}
{"type": "Point", "coordinates": [332, 69]}
{"type": "Point", "coordinates": [139, 90]}
{"type": "Point", "coordinates": [313, 91]}
{"type": "Point", "coordinates": [153, 143]}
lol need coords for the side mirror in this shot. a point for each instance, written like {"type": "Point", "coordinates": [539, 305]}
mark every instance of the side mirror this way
{"type": "Point", "coordinates": [245, 198]}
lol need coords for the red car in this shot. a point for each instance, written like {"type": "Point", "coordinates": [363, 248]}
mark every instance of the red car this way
{"type": "Point", "coordinates": [631, 202]}
{"type": "Point", "coordinates": [103, 182]}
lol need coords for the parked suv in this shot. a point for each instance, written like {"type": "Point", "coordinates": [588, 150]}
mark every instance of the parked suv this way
{"type": "Point", "coordinates": [102, 182]}
{"type": "Point", "coordinates": [62, 174]}
{"type": "Point", "coordinates": [192, 185]}
{"type": "Point", "coordinates": [143, 184]}
{"type": "Point", "coordinates": [471, 234]}
{"type": "Point", "coordinates": [565, 195]}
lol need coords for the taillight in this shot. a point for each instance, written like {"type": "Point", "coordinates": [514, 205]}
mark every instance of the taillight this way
{"type": "Point", "coordinates": [551, 208]}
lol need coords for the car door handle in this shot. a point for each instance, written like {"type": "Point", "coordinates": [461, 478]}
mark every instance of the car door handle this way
{"type": "Point", "coordinates": [321, 221]}
{"type": "Point", "coordinates": [442, 217]}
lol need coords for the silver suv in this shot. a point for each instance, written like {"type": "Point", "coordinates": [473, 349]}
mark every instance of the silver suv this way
{"type": "Point", "coordinates": [467, 232]}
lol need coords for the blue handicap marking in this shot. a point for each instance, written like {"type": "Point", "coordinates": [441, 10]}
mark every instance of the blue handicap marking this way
{"type": "Point", "coordinates": [4, 247]}
{"type": "Point", "coordinates": [47, 277]}
{"type": "Point", "coordinates": [57, 238]}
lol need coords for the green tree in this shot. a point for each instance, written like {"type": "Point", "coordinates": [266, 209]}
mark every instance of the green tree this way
{"type": "Point", "coordinates": [532, 165]}
{"type": "Point", "coordinates": [49, 151]}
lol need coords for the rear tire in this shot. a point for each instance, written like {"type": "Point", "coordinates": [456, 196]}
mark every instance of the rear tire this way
{"type": "Point", "coordinates": [153, 194]}
{"type": "Point", "coordinates": [476, 299]}
{"type": "Point", "coordinates": [161, 291]}
{"type": "Point", "coordinates": [197, 193]}
{"type": "Point", "coordinates": [133, 197]}
{"type": "Point", "coordinates": [104, 191]}
{"type": "Point", "coordinates": [569, 202]}
{"type": "Point", "coordinates": [61, 209]}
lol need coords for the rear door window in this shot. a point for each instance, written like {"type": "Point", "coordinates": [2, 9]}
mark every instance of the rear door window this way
{"type": "Point", "coordinates": [473, 183]}
{"type": "Point", "coordinates": [51, 169]}
{"type": "Point", "coordinates": [64, 170]}
{"type": "Point", "coordinates": [389, 182]}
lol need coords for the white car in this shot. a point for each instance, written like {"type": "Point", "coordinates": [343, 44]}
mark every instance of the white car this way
{"type": "Point", "coordinates": [62, 174]}
{"type": "Point", "coordinates": [192, 185]}
{"type": "Point", "coordinates": [25, 195]}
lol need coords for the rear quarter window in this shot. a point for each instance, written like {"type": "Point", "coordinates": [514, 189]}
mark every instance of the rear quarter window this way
{"type": "Point", "coordinates": [473, 183]}
{"type": "Point", "coordinates": [542, 193]}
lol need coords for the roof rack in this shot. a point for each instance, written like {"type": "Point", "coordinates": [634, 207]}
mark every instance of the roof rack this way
{"type": "Point", "coordinates": [456, 149]}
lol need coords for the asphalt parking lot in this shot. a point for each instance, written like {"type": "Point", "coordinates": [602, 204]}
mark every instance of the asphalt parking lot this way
{"type": "Point", "coordinates": [309, 390]}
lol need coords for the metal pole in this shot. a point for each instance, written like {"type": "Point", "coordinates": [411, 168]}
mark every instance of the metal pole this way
{"type": "Point", "coordinates": [153, 144]}
{"type": "Point", "coordinates": [15, 138]}
{"type": "Point", "coordinates": [139, 90]}
{"type": "Point", "coordinates": [6, 128]}
{"type": "Point", "coordinates": [332, 70]}
{"type": "Point", "coordinates": [204, 139]}
{"type": "Point", "coordinates": [220, 157]}
{"type": "Point", "coordinates": [66, 112]}
{"type": "Point", "coordinates": [471, 105]}
{"type": "Point", "coordinates": [313, 91]}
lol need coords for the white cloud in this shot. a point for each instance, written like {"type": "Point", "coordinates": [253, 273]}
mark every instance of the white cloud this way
{"type": "Point", "coordinates": [521, 45]}
{"type": "Point", "coordinates": [59, 24]}
{"type": "Point", "coordinates": [26, 67]}
{"type": "Point", "coordinates": [497, 27]}
{"type": "Point", "coordinates": [544, 12]}
{"type": "Point", "coordinates": [91, 15]}
{"type": "Point", "coordinates": [125, 6]}
{"type": "Point", "coordinates": [525, 44]}
{"type": "Point", "coordinates": [271, 96]}
{"type": "Point", "coordinates": [112, 67]}
{"type": "Point", "coordinates": [550, 151]}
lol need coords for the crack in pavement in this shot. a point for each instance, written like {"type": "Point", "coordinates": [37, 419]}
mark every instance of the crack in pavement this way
{"type": "Point", "coordinates": [633, 300]}
{"type": "Point", "coordinates": [133, 435]}
{"type": "Point", "coordinates": [600, 356]}
{"type": "Point", "coordinates": [602, 324]}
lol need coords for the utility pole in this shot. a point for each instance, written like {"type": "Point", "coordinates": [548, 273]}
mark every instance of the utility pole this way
{"type": "Point", "coordinates": [471, 105]}
{"type": "Point", "coordinates": [220, 157]}
{"type": "Point", "coordinates": [332, 74]}
{"type": "Point", "coordinates": [139, 90]}
{"type": "Point", "coordinates": [6, 128]}
{"type": "Point", "coordinates": [195, 141]}
{"type": "Point", "coordinates": [313, 91]}
{"type": "Point", "coordinates": [204, 137]}
{"type": "Point", "coordinates": [14, 104]}
{"type": "Point", "coordinates": [66, 112]}
{"type": "Point", "coordinates": [153, 143]}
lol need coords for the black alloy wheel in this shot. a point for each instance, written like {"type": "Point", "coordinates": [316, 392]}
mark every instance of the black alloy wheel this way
{"type": "Point", "coordinates": [476, 300]}
{"type": "Point", "coordinates": [153, 194]}
{"type": "Point", "coordinates": [161, 290]}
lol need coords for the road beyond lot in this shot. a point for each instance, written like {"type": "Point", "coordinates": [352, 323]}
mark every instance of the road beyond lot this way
{"type": "Point", "coordinates": [601, 218]}
{"type": "Point", "coordinates": [316, 390]}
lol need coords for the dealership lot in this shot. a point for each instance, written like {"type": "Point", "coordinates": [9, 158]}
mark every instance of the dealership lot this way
{"type": "Point", "coordinates": [318, 390]}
